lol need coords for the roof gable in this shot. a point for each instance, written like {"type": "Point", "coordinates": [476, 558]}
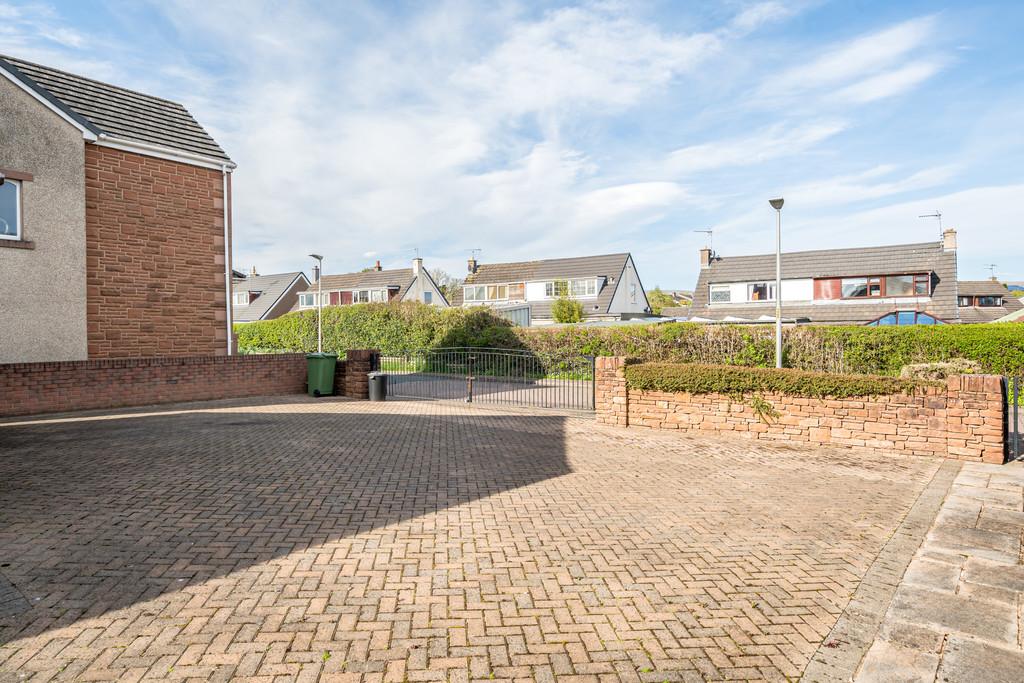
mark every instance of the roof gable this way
{"type": "Point", "coordinates": [109, 112]}
{"type": "Point", "coordinates": [271, 288]}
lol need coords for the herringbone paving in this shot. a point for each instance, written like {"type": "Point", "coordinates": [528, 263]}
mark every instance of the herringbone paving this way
{"type": "Point", "coordinates": [293, 540]}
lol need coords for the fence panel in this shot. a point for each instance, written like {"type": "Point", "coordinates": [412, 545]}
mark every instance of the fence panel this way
{"type": "Point", "coordinates": [493, 376]}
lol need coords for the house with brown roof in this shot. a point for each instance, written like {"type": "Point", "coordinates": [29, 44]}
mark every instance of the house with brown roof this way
{"type": "Point", "coordinates": [901, 284]}
{"type": "Point", "coordinates": [375, 285]}
{"type": "Point", "coordinates": [607, 286]}
{"type": "Point", "coordinates": [985, 301]}
{"type": "Point", "coordinates": [115, 222]}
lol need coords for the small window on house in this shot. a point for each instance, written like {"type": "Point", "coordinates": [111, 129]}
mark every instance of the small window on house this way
{"type": "Point", "coordinates": [307, 300]}
{"type": "Point", "coordinates": [556, 288]}
{"type": "Point", "coordinates": [474, 293]}
{"type": "Point", "coordinates": [900, 285]}
{"type": "Point", "coordinates": [361, 297]}
{"type": "Point", "coordinates": [965, 301]}
{"type": "Point", "coordinates": [583, 287]}
{"type": "Point", "coordinates": [632, 292]}
{"type": "Point", "coordinates": [10, 210]}
{"type": "Point", "coordinates": [923, 284]}
{"type": "Point", "coordinates": [855, 287]}
{"type": "Point", "coordinates": [761, 291]}
{"type": "Point", "coordinates": [428, 297]}
{"type": "Point", "coordinates": [497, 292]}
{"type": "Point", "coordinates": [241, 298]}
{"type": "Point", "coordinates": [720, 294]}
{"type": "Point", "coordinates": [377, 295]}
{"type": "Point", "coordinates": [990, 301]}
{"type": "Point", "coordinates": [517, 291]}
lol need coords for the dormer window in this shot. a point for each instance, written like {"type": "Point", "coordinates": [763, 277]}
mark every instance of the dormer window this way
{"type": "Point", "coordinates": [242, 298]}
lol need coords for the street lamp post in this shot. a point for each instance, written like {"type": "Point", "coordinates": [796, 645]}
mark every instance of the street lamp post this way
{"type": "Point", "coordinates": [319, 301]}
{"type": "Point", "coordinates": [777, 205]}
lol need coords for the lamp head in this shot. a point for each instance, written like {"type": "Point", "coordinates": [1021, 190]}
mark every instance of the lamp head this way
{"type": "Point", "coordinates": [318, 257]}
{"type": "Point", "coordinates": [777, 203]}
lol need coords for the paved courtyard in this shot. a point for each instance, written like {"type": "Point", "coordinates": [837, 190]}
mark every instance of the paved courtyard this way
{"type": "Point", "coordinates": [288, 539]}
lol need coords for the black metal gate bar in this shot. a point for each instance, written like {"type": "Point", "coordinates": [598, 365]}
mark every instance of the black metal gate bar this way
{"type": "Point", "coordinates": [1014, 387]}
{"type": "Point", "coordinates": [495, 376]}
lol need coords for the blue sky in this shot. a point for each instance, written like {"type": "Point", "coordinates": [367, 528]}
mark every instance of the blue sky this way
{"type": "Point", "coordinates": [534, 130]}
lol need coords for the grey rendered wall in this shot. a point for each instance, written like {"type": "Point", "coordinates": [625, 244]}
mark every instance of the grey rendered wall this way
{"type": "Point", "coordinates": [622, 302]}
{"type": "Point", "coordinates": [424, 283]}
{"type": "Point", "coordinates": [42, 307]}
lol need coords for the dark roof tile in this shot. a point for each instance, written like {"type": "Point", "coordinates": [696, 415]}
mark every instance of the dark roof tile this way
{"type": "Point", "coordinates": [121, 113]}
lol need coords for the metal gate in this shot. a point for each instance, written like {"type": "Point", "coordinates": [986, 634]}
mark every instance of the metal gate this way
{"type": "Point", "coordinates": [493, 376]}
{"type": "Point", "coordinates": [1014, 417]}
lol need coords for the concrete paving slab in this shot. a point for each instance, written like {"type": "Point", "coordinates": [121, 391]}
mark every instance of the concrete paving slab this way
{"type": "Point", "coordinates": [1010, 577]}
{"type": "Point", "coordinates": [937, 576]}
{"type": "Point", "coordinates": [889, 663]}
{"type": "Point", "coordinates": [954, 613]}
{"type": "Point", "coordinates": [968, 660]}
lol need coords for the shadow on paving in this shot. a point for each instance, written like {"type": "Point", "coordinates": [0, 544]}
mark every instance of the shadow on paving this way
{"type": "Point", "coordinates": [100, 514]}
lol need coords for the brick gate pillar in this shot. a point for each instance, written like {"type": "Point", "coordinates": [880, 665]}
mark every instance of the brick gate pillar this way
{"type": "Point", "coordinates": [358, 364]}
{"type": "Point", "coordinates": [611, 398]}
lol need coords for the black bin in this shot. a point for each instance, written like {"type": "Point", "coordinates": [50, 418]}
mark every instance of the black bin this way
{"type": "Point", "coordinates": [378, 386]}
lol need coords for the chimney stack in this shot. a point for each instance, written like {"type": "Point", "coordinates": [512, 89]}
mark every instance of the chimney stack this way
{"type": "Point", "coordinates": [253, 273]}
{"type": "Point", "coordinates": [377, 267]}
{"type": "Point", "coordinates": [471, 264]}
{"type": "Point", "coordinates": [417, 266]}
{"type": "Point", "coordinates": [705, 257]}
{"type": "Point", "coordinates": [949, 239]}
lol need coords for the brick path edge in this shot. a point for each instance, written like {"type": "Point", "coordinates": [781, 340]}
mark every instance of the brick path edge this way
{"type": "Point", "coordinates": [840, 654]}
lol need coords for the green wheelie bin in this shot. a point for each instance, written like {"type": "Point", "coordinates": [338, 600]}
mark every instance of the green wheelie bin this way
{"type": "Point", "coordinates": [320, 373]}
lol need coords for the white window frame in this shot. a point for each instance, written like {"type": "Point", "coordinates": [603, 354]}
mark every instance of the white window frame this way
{"type": "Point", "coordinates": [378, 296]}
{"type": "Point", "coordinates": [577, 288]}
{"type": "Point", "coordinates": [238, 298]}
{"type": "Point", "coordinates": [361, 296]}
{"type": "Point", "coordinates": [312, 298]}
{"type": "Point", "coordinates": [770, 286]}
{"type": "Point", "coordinates": [712, 289]}
{"type": "Point", "coordinates": [428, 297]}
{"type": "Point", "coordinates": [469, 293]}
{"type": "Point", "coordinates": [16, 184]}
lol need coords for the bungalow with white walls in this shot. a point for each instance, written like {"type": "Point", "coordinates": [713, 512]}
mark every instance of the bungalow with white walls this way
{"type": "Point", "coordinates": [607, 286]}
{"type": "Point", "coordinates": [375, 285]}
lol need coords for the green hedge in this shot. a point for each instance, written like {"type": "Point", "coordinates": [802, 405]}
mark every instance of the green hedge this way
{"type": "Point", "coordinates": [734, 380]}
{"type": "Point", "coordinates": [999, 348]}
{"type": "Point", "coordinates": [391, 328]}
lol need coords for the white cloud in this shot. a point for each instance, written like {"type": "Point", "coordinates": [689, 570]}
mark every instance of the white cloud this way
{"type": "Point", "coordinates": [867, 68]}
{"type": "Point", "coordinates": [773, 142]}
{"type": "Point", "coordinates": [889, 83]}
{"type": "Point", "coordinates": [580, 57]}
{"type": "Point", "coordinates": [759, 14]}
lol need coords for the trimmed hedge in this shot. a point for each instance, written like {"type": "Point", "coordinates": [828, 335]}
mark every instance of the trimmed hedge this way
{"type": "Point", "coordinates": [733, 380]}
{"type": "Point", "coordinates": [391, 328]}
{"type": "Point", "coordinates": [998, 348]}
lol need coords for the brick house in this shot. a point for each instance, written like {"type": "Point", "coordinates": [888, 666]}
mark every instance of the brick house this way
{"type": "Point", "coordinates": [115, 222]}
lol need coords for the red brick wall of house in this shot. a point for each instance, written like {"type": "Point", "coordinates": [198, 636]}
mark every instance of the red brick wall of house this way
{"type": "Point", "coordinates": [154, 256]}
{"type": "Point", "coordinates": [32, 388]}
{"type": "Point", "coordinates": [963, 420]}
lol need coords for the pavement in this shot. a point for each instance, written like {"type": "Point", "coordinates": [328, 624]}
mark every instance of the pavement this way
{"type": "Point", "coordinates": [956, 615]}
{"type": "Point", "coordinates": [294, 539]}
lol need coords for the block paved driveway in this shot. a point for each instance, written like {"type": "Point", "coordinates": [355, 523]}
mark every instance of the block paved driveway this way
{"type": "Point", "coordinates": [286, 539]}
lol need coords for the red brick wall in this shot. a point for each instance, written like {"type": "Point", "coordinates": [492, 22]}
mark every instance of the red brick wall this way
{"type": "Point", "coordinates": [964, 420]}
{"type": "Point", "coordinates": [30, 388]}
{"type": "Point", "coordinates": [154, 256]}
